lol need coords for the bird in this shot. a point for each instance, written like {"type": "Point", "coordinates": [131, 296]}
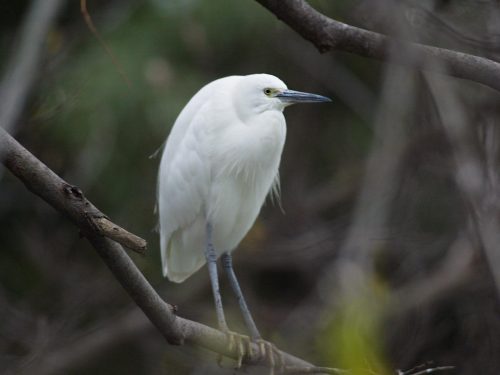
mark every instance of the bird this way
{"type": "Point", "coordinates": [219, 163]}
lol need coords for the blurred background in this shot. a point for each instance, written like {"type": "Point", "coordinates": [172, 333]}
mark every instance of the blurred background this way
{"type": "Point", "coordinates": [383, 254]}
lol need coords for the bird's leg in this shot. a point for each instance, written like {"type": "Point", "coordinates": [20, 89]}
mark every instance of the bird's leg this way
{"type": "Point", "coordinates": [227, 264]}
{"type": "Point", "coordinates": [211, 257]}
{"type": "Point", "coordinates": [267, 350]}
{"type": "Point", "coordinates": [235, 340]}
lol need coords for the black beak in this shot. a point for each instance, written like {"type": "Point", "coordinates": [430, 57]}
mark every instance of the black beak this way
{"type": "Point", "coordinates": [291, 96]}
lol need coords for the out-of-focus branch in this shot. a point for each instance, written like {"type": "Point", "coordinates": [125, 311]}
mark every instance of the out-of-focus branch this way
{"type": "Point", "coordinates": [328, 34]}
{"type": "Point", "coordinates": [82, 347]}
{"type": "Point", "coordinates": [382, 170]}
{"type": "Point", "coordinates": [70, 201]}
{"type": "Point", "coordinates": [340, 80]}
{"type": "Point", "coordinates": [21, 69]}
{"type": "Point", "coordinates": [68, 357]}
{"type": "Point", "coordinates": [479, 186]}
{"type": "Point", "coordinates": [349, 276]}
{"type": "Point", "coordinates": [93, 30]}
{"type": "Point", "coordinates": [452, 31]}
{"type": "Point", "coordinates": [455, 270]}
{"type": "Point", "coordinates": [380, 181]}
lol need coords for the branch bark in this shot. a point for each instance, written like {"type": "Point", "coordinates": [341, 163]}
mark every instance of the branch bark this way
{"type": "Point", "coordinates": [70, 201]}
{"type": "Point", "coordinates": [328, 34]}
{"type": "Point", "coordinates": [109, 229]}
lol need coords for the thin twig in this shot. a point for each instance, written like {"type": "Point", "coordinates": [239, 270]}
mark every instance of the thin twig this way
{"type": "Point", "coordinates": [313, 370]}
{"type": "Point", "coordinates": [109, 229]}
{"type": "Point", "coordinates": [93, 30]}
{"type": "Point", "coordinates": [425, 371]}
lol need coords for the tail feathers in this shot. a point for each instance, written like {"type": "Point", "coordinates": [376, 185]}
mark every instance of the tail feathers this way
{"type": "Point", "coordinates": [180, 260]}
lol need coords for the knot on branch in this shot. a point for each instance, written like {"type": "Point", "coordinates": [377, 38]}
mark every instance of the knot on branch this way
{"type": "Point", "coordinates": [100, 223]}
{"type": "Point", "coordinates": [73, 192]}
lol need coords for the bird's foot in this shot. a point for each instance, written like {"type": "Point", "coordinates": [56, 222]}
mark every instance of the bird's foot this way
{"type": "Point", "coordinates": [242, 344]}
{"type": "Point", "coordinates": [272, 355]}
{"type": "Point", "coordinates": [266, 351]}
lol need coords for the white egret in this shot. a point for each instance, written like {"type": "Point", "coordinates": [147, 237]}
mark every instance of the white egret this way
{"type": "Point", "coordinates": [220, 161]}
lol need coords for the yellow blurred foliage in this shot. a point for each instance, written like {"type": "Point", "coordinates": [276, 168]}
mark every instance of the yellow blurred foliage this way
{"type": "Point", "coordinates": [353, 338]}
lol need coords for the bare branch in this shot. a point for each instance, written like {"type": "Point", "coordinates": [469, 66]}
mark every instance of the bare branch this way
{"type": "Point", "coordinates": [109, 229]}
{"type": "Point", "coordinates": [328, 34]}
{"type": "Point", "coordinates": [313, 370]}
{"type": "Point", "coordinates": [425, 370]}
{"type": "Point", "coordinates": [70, 201]}
{"type": "Point", "coordinates": [434, 369]}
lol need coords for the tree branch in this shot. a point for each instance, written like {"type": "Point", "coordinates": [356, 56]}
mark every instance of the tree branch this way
{"type": "Point", "coordinates": [328, 34]}
{"type": "Point", "coordinates": [109, 229]}
{"type": "Point", "coordinates": [70, 201]}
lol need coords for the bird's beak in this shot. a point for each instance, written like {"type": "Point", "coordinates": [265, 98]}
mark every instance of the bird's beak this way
{"type": "Point", "coordinates": [291, 97]}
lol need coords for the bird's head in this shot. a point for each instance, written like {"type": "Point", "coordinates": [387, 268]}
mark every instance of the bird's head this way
{"type": "Point", "coordinates": [258, 93]}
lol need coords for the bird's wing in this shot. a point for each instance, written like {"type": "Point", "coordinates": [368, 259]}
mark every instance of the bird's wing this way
{"type": "Point", "coordinates": [185, 120]}
{"type": "Point", "coordinates": [183, 184]}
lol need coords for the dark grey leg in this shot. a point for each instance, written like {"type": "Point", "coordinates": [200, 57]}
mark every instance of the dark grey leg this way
{"type": "Point", "coordinates": [227, 263]}
{"type": "Point", "coordinates": [214, 280]}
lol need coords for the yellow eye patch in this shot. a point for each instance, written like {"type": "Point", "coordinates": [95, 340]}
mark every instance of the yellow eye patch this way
{"type": "Point", "coordinates": [270, 91]}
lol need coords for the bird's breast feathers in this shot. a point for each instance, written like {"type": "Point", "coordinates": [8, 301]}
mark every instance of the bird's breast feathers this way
{"type": "Point", "coordinates": [244, 160]}
{"type": "Point", "coordinates": [248, 149]}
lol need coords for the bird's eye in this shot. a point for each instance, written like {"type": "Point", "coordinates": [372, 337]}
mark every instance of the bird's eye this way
{"type": "Point", "coordinates": [268, 92]}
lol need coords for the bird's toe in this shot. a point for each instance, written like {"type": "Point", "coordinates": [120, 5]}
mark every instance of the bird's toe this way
{"type": "Point", "coordinates": [242, 344]}
{"type": "Point", "coordinates": [271, 355]}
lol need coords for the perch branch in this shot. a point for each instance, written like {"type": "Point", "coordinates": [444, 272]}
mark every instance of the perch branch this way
{"type": "Point", "coordinates": [70, 201]}
{"type": "Point", "coordinates": [328, 34]}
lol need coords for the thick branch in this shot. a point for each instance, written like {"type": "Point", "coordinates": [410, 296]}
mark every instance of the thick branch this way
{"type": "Point", "coordinates": [70, 201]}
{"type": "Point", "coordinates": [328, 34]}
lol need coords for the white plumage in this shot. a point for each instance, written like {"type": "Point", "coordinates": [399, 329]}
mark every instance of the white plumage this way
{"type": "Point", "coordinates": [220, 161]}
